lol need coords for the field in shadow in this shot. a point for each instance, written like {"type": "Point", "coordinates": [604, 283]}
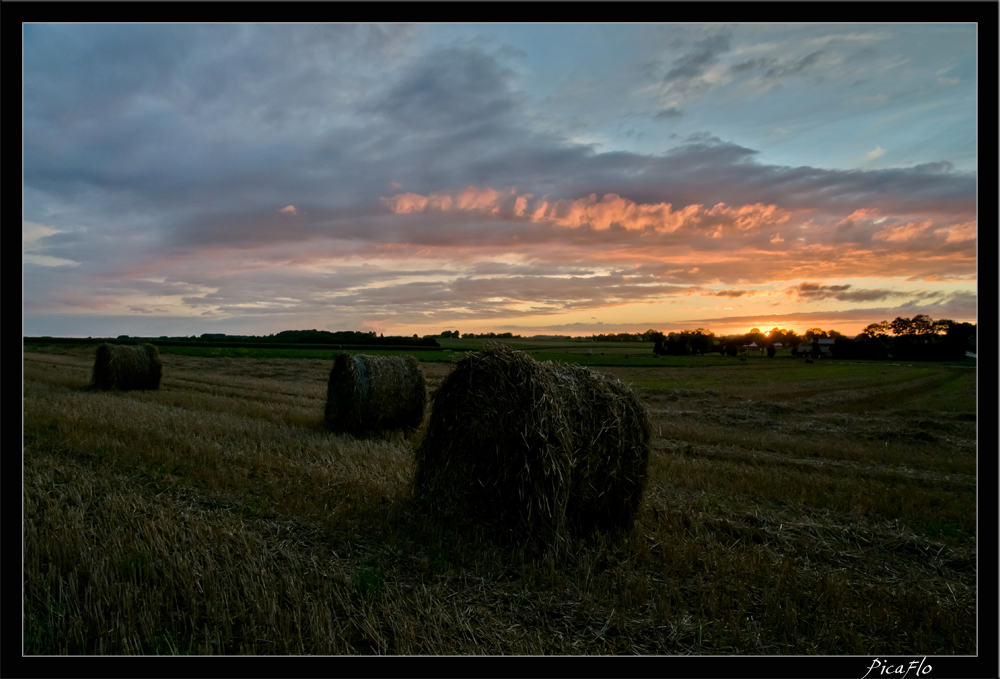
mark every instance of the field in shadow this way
{"type": "Point", "coordinates": [787, 512]}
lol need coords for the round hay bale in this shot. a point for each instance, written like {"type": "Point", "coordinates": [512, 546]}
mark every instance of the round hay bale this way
{"type": "Point", "coordinates": [533, 450]}
{"type": "Point", "coordinates": [371, 394]}
{"type": "Point", "coordinates": [127, 366]}
{"type": "Point", "coordinates": [611, 433]}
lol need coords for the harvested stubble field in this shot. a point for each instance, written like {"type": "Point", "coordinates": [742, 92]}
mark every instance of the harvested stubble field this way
{"type": "Point", "coordinates": [788, 511]}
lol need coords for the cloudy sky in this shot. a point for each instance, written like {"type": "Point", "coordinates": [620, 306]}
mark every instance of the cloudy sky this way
{"type": "Point", "coordinates": [534, 178]}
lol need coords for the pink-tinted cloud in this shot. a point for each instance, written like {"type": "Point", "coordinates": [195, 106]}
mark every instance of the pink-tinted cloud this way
{"type": "Point", "coordinates": [289, 209]}
{"type": "Point", "coordinates": [406, 203]}
{"type": "Point", "coordinates": [469, 199]}
{"type": "Point", "coordinates": [484, 200]}
{"type": "Point", "coordinates": [895, 234]}
{"type": "Point", "coordinates": [860, 214]}
{"type": "Point", "coordinates": [750, 217]}
{"type": "Point", "coordinates": [612, 209]}
{"type": "Point", "coordinates": [599, 215]}
{"type": "Point", "coordinates": [661, 217]}
{"type": "Point", "coordinates": [521, 204]}
{"type": "Point", "coordinates": [959, 232]}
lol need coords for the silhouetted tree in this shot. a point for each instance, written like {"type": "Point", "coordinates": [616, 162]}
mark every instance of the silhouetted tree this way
{"type": "Point", "coordinates": [875, 330]}
{"type": "Point", "coordinates": [676, 344]}
{"type": "Point", "coordinates": [791, 339]}
{"type": "Point", "coordinates": [958, 338]}
{"type": "Point", "coordinates": [756, 336]}
{"type": "Point", "coordinates": [813, 334]}
{"type": "Point", "coordinates": [701, 341]}
{"type": "Point", "coordinates": [658, 338]}
{"type": "Point", "coordinates": [915, 338]}
{"type": "Point", "coordinates": [868, 344]}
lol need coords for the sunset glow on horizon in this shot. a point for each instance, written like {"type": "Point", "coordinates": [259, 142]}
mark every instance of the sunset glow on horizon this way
{"type": "Point", "coordinates": [535, 179]}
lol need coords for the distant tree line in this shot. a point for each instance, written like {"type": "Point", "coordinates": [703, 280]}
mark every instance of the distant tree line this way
{"type": "Point", "coordinates": [485, 335]}
{"type": "Point", "coordinates": [324, 337]}
{"type": "Point", "coordinates": [911, 339]}
{"type": "Point", "coordinates": [648, 336]}
{"type": "Point", "coordinates": [920, 338]}
{"type": "Point", "coordinates": [698, 342]}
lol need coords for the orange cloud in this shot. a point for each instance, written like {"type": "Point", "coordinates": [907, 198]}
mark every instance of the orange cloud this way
{"type": "Point", "coordinates": [469, 199]}
{"type": "Point", "coordinates": [598, 214]}
{"type": "Point", "coordinates": [895, 234]}
{"type": "Point", "coordinates": [440, 201]}
{"type": "Point", "coordinates": [405, 203]}
{"type": "Point", "coordinates": [750, 217]}
{"type": "Point", "coordinates": [289, 209]}
{"type": "Point", "coordinates": [859, 214]}
{"type": "Point", "coordinates": [959, 232]}
{"type": "Point", "coordinates": [611, 209]}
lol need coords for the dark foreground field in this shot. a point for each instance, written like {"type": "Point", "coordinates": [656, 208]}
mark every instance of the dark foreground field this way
{"type": "Point", "coordinates": [791, 509]}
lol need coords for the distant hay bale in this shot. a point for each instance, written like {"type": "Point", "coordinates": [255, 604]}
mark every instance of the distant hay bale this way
{"type": "Point", "coordinates": [533, 450]}
{"type": "Point", "coordinates": [370, 394]}
{"type": "Point", "coordinates": [127, 366]}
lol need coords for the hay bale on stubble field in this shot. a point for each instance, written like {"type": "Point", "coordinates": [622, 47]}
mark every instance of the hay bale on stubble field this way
{"type": "Point", "coordinates": [611, 433]}
{"type": "Point", "coordinates": [127, 366]}
{"type": "Point", "coordinates": [372, 394]}
{"type": "Point", "coordinates": [533, 450]}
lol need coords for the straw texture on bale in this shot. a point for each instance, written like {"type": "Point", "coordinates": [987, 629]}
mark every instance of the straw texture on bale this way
{"type": "Point", "coordinates": [371, 394]}
{"type": "Point", "coordinates": [533, 450]}
{"type": "Point", "coordinates": [127, 366]}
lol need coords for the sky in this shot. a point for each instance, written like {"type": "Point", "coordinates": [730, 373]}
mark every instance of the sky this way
{"type": "Point", "coordinates": [570, 179]}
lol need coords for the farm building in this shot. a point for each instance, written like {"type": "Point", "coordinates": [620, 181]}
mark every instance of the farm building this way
{"type": "Point", "coordinates": [820, 347]}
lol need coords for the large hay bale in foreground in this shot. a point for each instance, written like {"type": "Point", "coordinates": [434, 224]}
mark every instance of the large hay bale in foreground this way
{"type": "Point", "coordinates": [536, 450]}
{"type": "Point", "coordinates": [369, 394]}
{"type": "Point", "coordinates": [127, 366]}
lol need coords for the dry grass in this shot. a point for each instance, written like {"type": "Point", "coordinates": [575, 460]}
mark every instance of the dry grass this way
{"type": "Point", "coordinates": [217, 515]}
